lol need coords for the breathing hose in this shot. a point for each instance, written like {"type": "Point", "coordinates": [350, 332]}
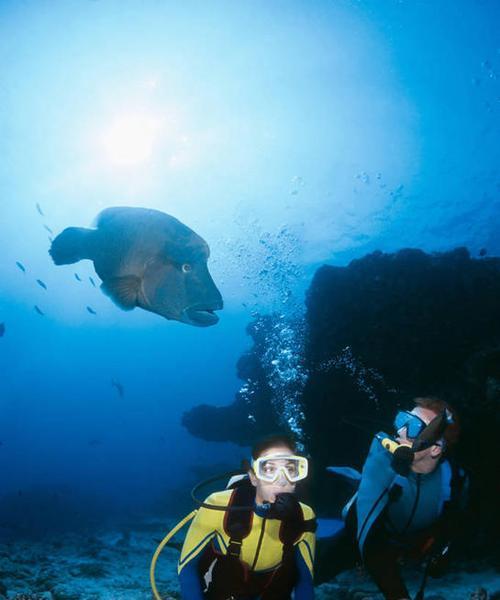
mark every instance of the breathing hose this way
{"type": "Point", "coordinates": [162, 545]}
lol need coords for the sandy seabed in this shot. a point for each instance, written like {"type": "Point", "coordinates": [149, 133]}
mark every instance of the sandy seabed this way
{"type": "Point", "coordinates": [114, 565]}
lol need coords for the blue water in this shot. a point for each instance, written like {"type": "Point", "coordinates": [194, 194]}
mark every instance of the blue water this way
{"type": "Point", "coordinates": [288, 134]}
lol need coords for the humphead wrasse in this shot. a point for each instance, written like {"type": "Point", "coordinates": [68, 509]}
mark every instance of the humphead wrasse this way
{"type": "Point", "coordinates": [148, 259]}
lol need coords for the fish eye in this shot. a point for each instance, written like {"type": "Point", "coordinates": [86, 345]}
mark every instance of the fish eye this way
{"type": "Point", "coordinates": [186, 267]}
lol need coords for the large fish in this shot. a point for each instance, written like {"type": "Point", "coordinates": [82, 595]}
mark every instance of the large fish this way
{"type": "Point", "coordinates": [146, 258]}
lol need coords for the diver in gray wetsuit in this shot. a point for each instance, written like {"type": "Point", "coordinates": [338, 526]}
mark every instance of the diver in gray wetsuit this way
{"type": "Point", "coordinates": [407, 503]}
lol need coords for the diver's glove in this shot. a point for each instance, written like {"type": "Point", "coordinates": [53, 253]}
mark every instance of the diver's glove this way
{"type": "Point", "coordinates": [402, 459]}
{"type": "Point", "coordinates": [286, 507]}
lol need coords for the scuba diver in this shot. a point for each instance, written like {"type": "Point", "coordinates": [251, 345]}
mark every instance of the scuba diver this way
{"type": "Point", "coordinates": [407, 505]}
{"type": "Point", "coordinates": [254, 540]}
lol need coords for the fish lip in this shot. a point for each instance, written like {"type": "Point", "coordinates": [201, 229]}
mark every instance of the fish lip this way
{"type": "Point", "coordinates": [200, 315]}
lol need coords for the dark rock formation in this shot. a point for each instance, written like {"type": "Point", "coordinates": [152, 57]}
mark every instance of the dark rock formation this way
{"type": "Point", "coordinates": [251, 415]}
{"type": "Point", "coordinates": [416, 318]}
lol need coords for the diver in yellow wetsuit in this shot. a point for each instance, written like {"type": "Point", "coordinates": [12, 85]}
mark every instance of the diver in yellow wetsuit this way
{"type": "Point", "coordinates": [261, 544]}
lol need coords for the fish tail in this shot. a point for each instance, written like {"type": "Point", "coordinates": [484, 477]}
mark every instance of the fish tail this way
{"type": "Point", "coordinates": [72, 245]}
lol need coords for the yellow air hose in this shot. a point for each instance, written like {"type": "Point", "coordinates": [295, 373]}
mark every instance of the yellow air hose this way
{"type": "Point", "coordinates": [162, 545]}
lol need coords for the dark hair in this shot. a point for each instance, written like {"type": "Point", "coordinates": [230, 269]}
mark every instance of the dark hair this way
{"type": "Point", "coordinates": [437, 405]}
{"type": "Point", "coordinates": [277, 439]}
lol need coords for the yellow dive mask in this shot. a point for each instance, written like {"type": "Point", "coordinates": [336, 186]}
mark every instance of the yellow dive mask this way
{"type": "Point", "coordinates": [268, 468]}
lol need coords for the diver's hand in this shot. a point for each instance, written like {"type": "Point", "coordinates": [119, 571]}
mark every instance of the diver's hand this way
{"type": "Point", "coordinates": [286, 507]}
{"type": "Point", "coordinates": [402, 460]}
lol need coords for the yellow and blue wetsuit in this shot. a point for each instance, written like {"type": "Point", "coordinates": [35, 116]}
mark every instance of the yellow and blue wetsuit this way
{"type": "Point", "coordinates": [261, 551]}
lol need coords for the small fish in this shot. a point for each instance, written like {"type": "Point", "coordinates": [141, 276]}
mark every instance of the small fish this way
{"type": "Point", "coordinates": [77, 277]}
{"type": "Point", "coordinates": [93, 442]}
{"type": "Point", "coordinates": [119, 387]}
{"type": "Point", "coordinates": [2, 329]}
{"type": "Point", "coordinates": [92, 281]}
{"type": "Point", "coordinates": [41, 284]}
{"type": "Point", "coordinates": [21, 266]}
{"type": "Point", "coordinates": [483, 252]}
{"type": "Point", "coordinates": [38, 310]}
{"type": "Point", "coordinates": [46, 227]}
{"type": "Point", "coordinates": [91, 310]}
{"type": "Point", "coordinates": [39, 209]}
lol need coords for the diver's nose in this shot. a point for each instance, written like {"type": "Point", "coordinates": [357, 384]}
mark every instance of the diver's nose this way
{"type": "Point", "coordinates": [282, 479]}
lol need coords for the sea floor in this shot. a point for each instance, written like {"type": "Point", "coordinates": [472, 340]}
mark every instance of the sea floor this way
{"type": "Point", "coordinates": [114, 565]}
{"type": "Point", "coordinates": [457, 585]}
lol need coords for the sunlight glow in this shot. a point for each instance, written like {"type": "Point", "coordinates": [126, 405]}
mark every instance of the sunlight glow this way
{"type": "Point", "coordinates": [130, 139]}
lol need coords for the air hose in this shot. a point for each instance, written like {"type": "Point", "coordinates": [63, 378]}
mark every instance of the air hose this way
{"type": "Point", "coordinates": [162, 545]}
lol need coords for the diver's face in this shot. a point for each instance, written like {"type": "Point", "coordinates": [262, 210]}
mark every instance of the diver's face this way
{"type": "Point", "coordinates": [432, 453]}
{"type": "Point", "coordinates": [267, 491]}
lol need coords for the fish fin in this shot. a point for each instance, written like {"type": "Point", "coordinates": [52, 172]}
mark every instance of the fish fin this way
{"type": "Point", "coordinates": [124, 291]}
{"type": "Point", "coordinates": [72, 245]}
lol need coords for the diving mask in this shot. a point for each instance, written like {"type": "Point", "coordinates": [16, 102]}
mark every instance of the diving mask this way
{"type": "Point", "coordinates": [268, 468]}
{"type": "Point", "coordinates": [414, 425]}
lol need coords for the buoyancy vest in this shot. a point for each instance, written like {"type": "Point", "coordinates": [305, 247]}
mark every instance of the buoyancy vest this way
{"type": "Point", "coordinates": [379, 483]}
{"type": "Point", "coordinates": [228, 576]}
{"type": "Point", "coordinates": [380, 487]}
